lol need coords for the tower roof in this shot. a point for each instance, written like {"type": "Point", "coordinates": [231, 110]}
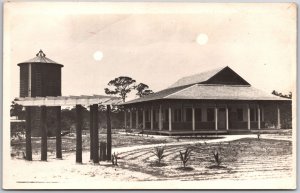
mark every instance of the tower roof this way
{"type": "Point", "coordinates": [40, 58]}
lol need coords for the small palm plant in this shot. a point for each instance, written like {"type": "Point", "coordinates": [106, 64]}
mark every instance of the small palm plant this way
{"type": "Point", "coordinates": [159, 153]}
{"type": "Point", "coordinates": [217, 157]}
{"type": "Point", "coordinates": [185, 156]}
{"type": "Point", "coordinates": [114, 159]}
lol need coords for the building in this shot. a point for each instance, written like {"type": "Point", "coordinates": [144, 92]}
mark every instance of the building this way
{"type": "Point", "coordinates": [214, 101]}
{"type": "Point", "coordinates": [40, 77]}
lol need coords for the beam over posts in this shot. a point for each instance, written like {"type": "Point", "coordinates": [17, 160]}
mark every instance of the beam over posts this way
{"type": "Point", "coordinates": [248, 117]}
{"type": "Point", "coordinates": [28, 134]}
{"type": "Point", "coordinates": [258, 116]}
{"type": "Point", "coordinates": [44, 133]}
{"type": "Point", "coordinates": [193, 119]}
{"type": "Point", "coordinates": [91, 131]}
{"type": "Point", "coordinates": [144, 119]}
{"type": "Point", "coordinates": [137, 118]}
{"type": "Point", "coordinates": [278, 117]}
{"type": "Point", "coordinates": [160, 118]}
{"type": "Point", "coordinates": [125, 118]}
{"type": "Point", "coordinates": [108, 132]}
{"type": "Point", "coordinates": [79, 121]}
{"type": "Point", "coordinates": [227, 120]}
{"type": "Point", "coordinates": [216, 118]}
{"type": "Point", "coordinates": [170, 119]}
{"type": "Point", "coordinates": [58, 133]}
{"type": "Point", "coordinates": [95, 135]}
{"type": "Point", "coordinates": [151, 116]}
{"type": "Point", "coordinates": [130, 118]}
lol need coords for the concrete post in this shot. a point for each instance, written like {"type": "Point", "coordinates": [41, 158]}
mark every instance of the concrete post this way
{"type": "Point", "coordinates": [28, 134]}
{"type": "Point", "coordinates": [248, 117]}
{"type": "Point", "coordinates": [227, 120]}
{"type": "Point", "coordinates": [58, 133]}
{"type": "Point", "coordinates": [44, 133]}
{"type": "Point", "coordinates": [79, 121]}
{"type": "Point", "coordinates": [258, 117]}
{"type": "Point", "coordinates": [216, 118]}
{"type": "Point", "coordinates": [170, 119]}
{"type": "Point", "coordinates": [193, 119]}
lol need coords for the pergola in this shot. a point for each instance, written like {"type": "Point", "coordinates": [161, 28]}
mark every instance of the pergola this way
{"type": "Point", "coordinates": [78, 101]}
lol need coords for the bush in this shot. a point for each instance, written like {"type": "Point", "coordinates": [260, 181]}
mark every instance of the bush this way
{"type": "Point", "coordinates": [184, 157]}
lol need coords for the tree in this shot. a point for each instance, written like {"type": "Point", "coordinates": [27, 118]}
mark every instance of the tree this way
{"type": "Point", "coordinates": [289, 96]}
{"type": "Point", "coordinates": [17, 110]}
{"type": "Point", "coordinates": [142, 90]}
{"type": "Point", "coordinates": [122, 86]}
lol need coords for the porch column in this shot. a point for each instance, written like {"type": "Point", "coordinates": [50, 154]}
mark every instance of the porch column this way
{"type": "Point", "coordinates": [160, 118]}
{"type": "Point", "coordinates": [91, 131]}
{"type": "Point", "coordinates": [216, 118]}
{"type": "Point", "coordinates": [137, 118]}
{"type": "Point", "coordinates": [44, 133]}
{"type": "Point", "coordinates": [125, 118]}
{"type": "Point", "coordinates": [248, 117]}
{"type": "Point", "coordinates": [79, 133]}
{"type": "Point", "coordinates": [151, 116]}
{"type": "Point", "coordinates": [58, 133]}
{"type": "Point", "coordinates": [258, 117]}
{"type": "Point", "coordinates": [193, 118]}
{"type": "Point", "coordinates": [95, 135]}
{"type": "Point", "coordinates": [28, 134]}
{"type": "Point", "coordinates": [227, 121]}
{"type": "Point", "coordinates": [108, 110]}
{"type": "Point", "coordinates": [144, 119]}
{"type": "Point", "coordinates": [170, 119]}
{"type": "Point", "coordinates": [278, 118]}
{"type": "Point", "coordinates": [130, 118]}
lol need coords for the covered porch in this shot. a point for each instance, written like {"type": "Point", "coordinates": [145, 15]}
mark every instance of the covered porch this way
{"type": "Point", "coordinates": [203, 116]}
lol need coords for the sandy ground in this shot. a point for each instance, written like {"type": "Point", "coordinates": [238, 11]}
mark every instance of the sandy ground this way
{"type": "Point", "coordinates": [66, 173]}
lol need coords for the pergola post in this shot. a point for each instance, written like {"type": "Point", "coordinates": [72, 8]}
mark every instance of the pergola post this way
{"type": "Point", "coordinates": [125, 118]}
{"type": "Point", "coordinates": [91, 131]}
{"type": "Point", "coordinates": [216, 118]}
{"type": "Point", "coordinates": [160, 118]}
{"type": "Point", "coordinates": [79, 121]}
{"type": "Point", "coordinates": [130, 118]}
{"type": "Point", "coordinates": [137, 118]}
{"type": "Point", "coordinates": [278, 118]}
{"type": "Point", "coordinates": [95, 135]}
{"type": "Point", "coordinates": [248, 117]}
{"type": "Point", "coordinates": [44, 133]}
{"type": "Point", "coordinates": [227, 120]}
{"type": "Point", "coordinates": [193, 119]}
{"type": "Point", "coordinates": [151, 116]}
{"type": "Point", "coordinates": [58, 133]}
{"type": "Point", "coordinates": [144, 119]}
{"type": "Point", "coordinates": [28, 134]}
{"type": "Point", "coordinates": [108, 110]}
{"type": "Point", "coordinates": [258, 116]}
{"type": "Point", "coordinates": [170, 119]}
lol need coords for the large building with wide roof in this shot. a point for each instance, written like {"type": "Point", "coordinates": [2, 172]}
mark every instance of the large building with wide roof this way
{"type": "Point", "coordinates": [219, 100]}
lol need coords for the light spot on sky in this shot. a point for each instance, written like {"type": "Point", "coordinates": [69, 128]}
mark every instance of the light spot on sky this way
{"type": "Point", "coordinates": [202, 39]}
{"type": "Point", "coordinates": [98, 55]}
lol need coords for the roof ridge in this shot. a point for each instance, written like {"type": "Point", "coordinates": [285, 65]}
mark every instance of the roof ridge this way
{"type": "Point", "coordinates": [180, 90]}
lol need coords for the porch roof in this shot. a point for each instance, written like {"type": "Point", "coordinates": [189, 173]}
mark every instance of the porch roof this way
{"type": "Point", "coordinates": [210, 92]}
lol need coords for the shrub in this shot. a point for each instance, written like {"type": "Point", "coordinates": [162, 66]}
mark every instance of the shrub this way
{"type": "Point", "coordinates": [159, 153]}
{"type": "Point", "coordinates": [184, 157]}
{"type": "Point", "coordinates": [217, 158]}
{"type": "Point", "coordinates": [114, 159]}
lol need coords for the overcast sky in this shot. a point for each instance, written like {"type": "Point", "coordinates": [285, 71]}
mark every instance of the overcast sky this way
{"type": "Point", "coordinates": [153, 43]}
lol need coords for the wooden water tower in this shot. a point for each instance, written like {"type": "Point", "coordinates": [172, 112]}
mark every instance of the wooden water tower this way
{"type": "Point", "coordinates": [40, 77]}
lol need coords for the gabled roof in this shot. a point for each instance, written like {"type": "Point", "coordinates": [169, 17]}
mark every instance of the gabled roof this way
{"type": "Point", "coordinates": [40, 58]}
{"type": "Point", "coordinates": [197, 87]}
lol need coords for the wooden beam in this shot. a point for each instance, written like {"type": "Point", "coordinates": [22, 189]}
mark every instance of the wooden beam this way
{"type": "Point", "coordinates": [44, 133]}
{"type": "Point", "coordinates": [58, 133]}
{"type": "Point", "coordinates": [216, 118]}
{"type": "Point", "coordinates": [108, 132]}
{"type": "Point", "coordinates": [91, 131]}
{"type": "Point", "coordinates": [170, 119]}
{"type": "Point", "coordinates": [227, 119]}
{"type": "Point", "coordinates": [193, 119]}
{"type": "Point", "coordinates": [79, 123]}
{"type": "Point", "coordinates": [258, 116]}
{"type": "Point", "coordinates": [95, 136]}
{"type": "Point", "coordinates": [28, 134]}
{"type": "Point", "coordinates": [248, 117]}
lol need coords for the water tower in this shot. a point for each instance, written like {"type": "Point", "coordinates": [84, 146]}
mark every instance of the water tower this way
{"type": "Point", "coordinates": [40, 77]}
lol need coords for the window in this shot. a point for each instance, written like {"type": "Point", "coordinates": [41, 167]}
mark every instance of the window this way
{"type": "Point", "coordinates": [251, 114]}
{"type": "Point", "coordinates": [167, 115]}
{"type": "Point", "coordinates": [188, 114]}
{"type": "Point", "coordinates": [240, 114]}
{"type": "Point", "coordinates": [210, 114]}
{"type": "Point", "coordinates": [198, 115]}
{"type": "Point", "coordinates": [177, 115]}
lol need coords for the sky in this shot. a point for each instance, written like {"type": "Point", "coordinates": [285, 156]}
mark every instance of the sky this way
{"type": "Point", "coordinates": [154, 43]}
